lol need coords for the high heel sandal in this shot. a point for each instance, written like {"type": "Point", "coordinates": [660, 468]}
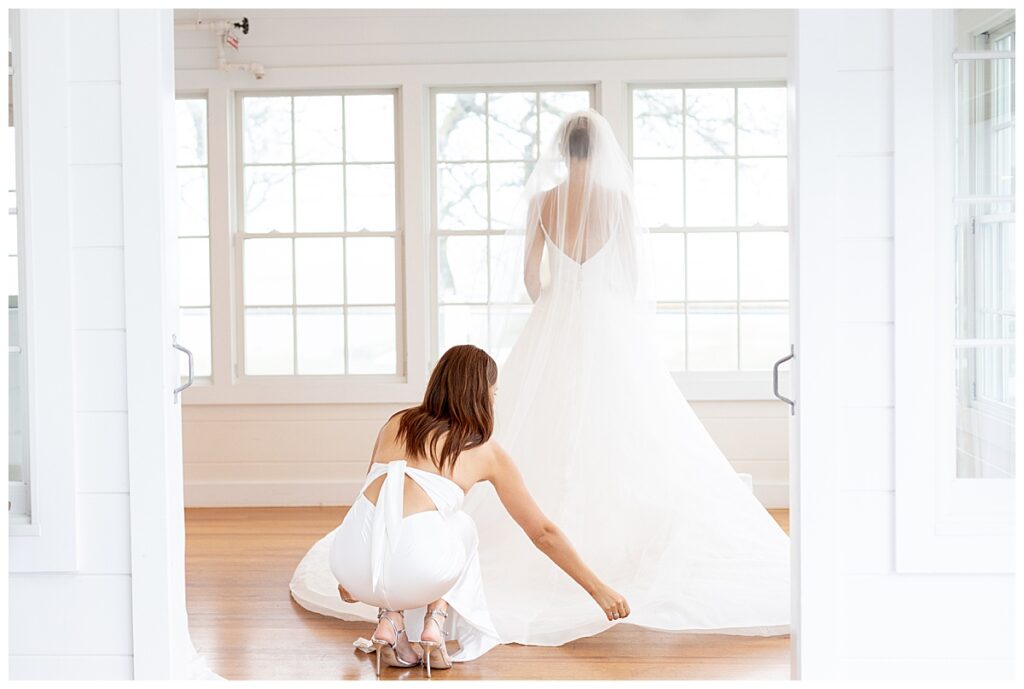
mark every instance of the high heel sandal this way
{"type": "Point", "coordinates": [434, 652]}
{"type": "Point", "coordinates": [387, 649]}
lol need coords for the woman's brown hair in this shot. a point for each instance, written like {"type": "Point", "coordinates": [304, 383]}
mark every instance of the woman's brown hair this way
{"type": "Point", "coordinates": [458, 401]}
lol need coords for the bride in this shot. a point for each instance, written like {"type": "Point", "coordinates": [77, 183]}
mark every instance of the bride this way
{"type": "Point", "coordinates": [606, 443]}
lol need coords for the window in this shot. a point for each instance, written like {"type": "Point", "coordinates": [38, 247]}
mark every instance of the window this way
{"type": "Point", "coordinates": [984, 255]}
{"type": "Point", "coordinates": [710, 172]}
{"type": "Point", "coordinates": [17, 401]}
{"type": "Point", "coordinates": [194, 233]}
{"type": "Point", "coordinates": [318, 239]}
{"type": "Point", "coordinates": [486, 143]}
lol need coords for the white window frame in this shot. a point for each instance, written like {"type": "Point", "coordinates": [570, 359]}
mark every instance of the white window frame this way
{"type": "Point", "coordinates": [738, 384]}
{"type": "Point", "coordinates": [201, 95]}
{"type": "Point", "coordinates": [48, 542]}
{"type": "Point", "coordinates": [943, 523]}
{"type": "Point", "coordinates": [238, 244]}
{"type": "Point", "coordinates": [413, 83]}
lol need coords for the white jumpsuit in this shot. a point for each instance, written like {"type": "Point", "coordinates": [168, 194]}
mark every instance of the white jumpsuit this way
{"type": "Point", "coordinates": [387, 560]}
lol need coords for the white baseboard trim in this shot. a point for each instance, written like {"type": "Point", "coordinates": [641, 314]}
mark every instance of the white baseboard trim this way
{"type": "Point", "coordinates": [331, 493]}
{"type": "Point", "coordinates": [271, 493]}
{"type": "Point", "coordinates": [772, 494]}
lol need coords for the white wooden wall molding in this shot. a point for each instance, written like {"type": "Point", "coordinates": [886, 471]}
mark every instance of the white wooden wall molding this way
{"type": "Point", "coordinates": [814, 472]}
{"type": "Point", "coordinates": [943, 524]}
{"type": "Point", "coordinates": [49, 542]}
{"type": "Point", "coordinates": [155, 468]}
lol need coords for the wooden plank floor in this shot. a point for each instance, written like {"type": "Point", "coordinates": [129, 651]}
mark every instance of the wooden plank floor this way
{"type": "Point", "coordinates": [244, 622]}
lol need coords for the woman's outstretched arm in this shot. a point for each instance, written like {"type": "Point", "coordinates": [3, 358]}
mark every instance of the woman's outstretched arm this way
{"type": "Point", "coordinates": [548, 538]}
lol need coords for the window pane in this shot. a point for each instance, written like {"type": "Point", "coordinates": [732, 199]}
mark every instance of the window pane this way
{"type": "Point", "coordinates": [710, 193]}
{"type": "Point", "coordinates": [267, 271]}
{"type": "Point", "coordinates": [657, 122]}
{"type": "Point", "coordinates": [370, 270]}
{"type": "Point", "coordinates": [711, 266]}
{"type": "Point", "coordinates": [507, 181]}
{"type": "Point", "coordinates": [764, 265]}
{"type": "Point", "coordinates": [513, 127]}
{"type": "Point", "coordinates": [193, 202]}
{"type": "Point", "coordinates": [506, 323]}
{"type": "Point", "coordinates": [555, 105]}
{"type": "Point", "coordinates": [268, 342]}
{"type": "Point", "coordinates": [668, 252]}
{"type": "Point", "coordinates": [461, 133]}
{"type": "Point", "coordinates": [462, 269]}
{"type": "Point", "coordinates": [318, 198]}
{"type": "Point", "coordinates": [462, 197]}
{"type": "Point", "coordinates": [499, 272]}
{"type": "Point", "coordinates": [370, 128]}
{"type": "Point", "coordinates": [763, 196]}
{"type": "Point", "coordinates": [191, 131]}
{"type": "Point", "coordinates": [371, 340]}
{"type": "Point", "coordinates": [461, 325]}
{"type": "Point", "coordinates": [764, 335]}
{"type": "Point", "coordinates": [193, 272]}
{"type": "Point", "coordinates": [659, 192]}
{"type": "Point", "coordinates": [371, 197]}
{"type": "Point", "coordinates": [762, 121]}
{"type": "Point", "coordinates": [712, 337]}
{"type": "Point", "coordinates": [670, 326]}
{"type": "Point", "coordinates": [194, 328]}
{"type": "Point", "coordinates": [267, 129]}
{"type": "Point", "coordinates": [319, 270]}
{"type": "Point", "coordinates": [318, 129]}
{"type": "Point", "coordinates": [710, 122]}
{"type": "Point", "coordinates": [321, 340]}
{"type": "Point", "coordinates": [268, 199]}
{"type": "Point", "coordinates": [985, 442]}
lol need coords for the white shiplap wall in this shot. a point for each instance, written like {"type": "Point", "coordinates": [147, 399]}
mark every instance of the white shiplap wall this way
{"type": "Point", "coordinates": [861, 619]}
{"type": "Point", "coordinates": [310, 454]}
{"type": "Point", "coordinates": [78, 624]}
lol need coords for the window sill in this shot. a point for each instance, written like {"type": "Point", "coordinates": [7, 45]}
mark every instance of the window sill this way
{"type": "Point", "coordinates": [696, 386]}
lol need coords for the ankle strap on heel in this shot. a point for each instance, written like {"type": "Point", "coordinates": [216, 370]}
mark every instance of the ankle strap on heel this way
{"type": "Point", "coordinates": [381, 616]}
{"type": "Point", "coordinates": [432, 616]}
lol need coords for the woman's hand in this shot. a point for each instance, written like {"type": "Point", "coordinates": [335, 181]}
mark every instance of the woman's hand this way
{"type": "Point", "coordinates": [614, 605]}
{"type": "Point", "coordinates": [345, 595]}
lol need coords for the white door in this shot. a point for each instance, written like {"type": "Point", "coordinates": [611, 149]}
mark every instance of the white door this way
{"type": "Point", "coordinates": [161, 642]}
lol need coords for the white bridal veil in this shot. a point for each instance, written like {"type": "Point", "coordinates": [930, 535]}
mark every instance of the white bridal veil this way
{"type": "Point", "coordinates": [577, 201]}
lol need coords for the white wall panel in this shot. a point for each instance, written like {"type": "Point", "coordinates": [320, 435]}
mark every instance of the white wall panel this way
{"type": "Point", "coordinates": [865, 448]}
{"type": "Point", "coordinates": [101, 440]}
{"type": "Point", "coordinates": [70, 667]}
{"type": "Point", "coordinates": [93, 40]}
{"type": "Point", "coordinates": [100, 383]}
{"type": "Point", "coordinates": [864, 207]}
{"type": "Point", "coordinates": [96, 124]}
{"type": "Point", "coordinates": [96, 205]}
{"type": "Point", "coordinates": [867, 266]}
{"type": "Point", "coordinates": [99, 288]}
{"type": "Point", "coordinates": [103, 527]}
{"type": "Point", "coordinates": [70, 614]}
{"type": "Point", "coordinates": [77, 623]}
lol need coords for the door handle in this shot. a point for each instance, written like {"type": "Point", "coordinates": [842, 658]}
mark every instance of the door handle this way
{"type": "Point", "coordinates": [191, 367]}
{"type": "Point", "coordinates": [775, 380]}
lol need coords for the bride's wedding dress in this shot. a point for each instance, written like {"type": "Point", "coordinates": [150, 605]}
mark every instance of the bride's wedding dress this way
{"type": "Point", "coordinates": [607, 444]}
